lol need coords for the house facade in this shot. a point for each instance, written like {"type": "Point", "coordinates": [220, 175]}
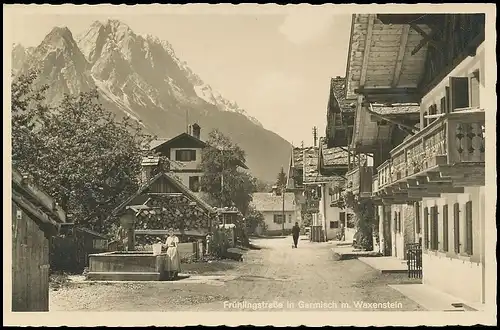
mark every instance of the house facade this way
{"type": "Point", "coordinates": [428, 151]}
{"type": "Point", "coordinates": [185, 153]}
{"type": "Point", "coordinates": [278, 210]}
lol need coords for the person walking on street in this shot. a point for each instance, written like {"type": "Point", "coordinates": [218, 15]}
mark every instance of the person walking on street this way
{"type": "Point", "coordinates": [295, 234]}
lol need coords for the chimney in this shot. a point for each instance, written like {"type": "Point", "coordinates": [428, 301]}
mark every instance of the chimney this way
{"type": "Point", "coordinates": [196, 129]}
{"type": "Point", "coordinates": [315, 135]}
{"type": "Point", "coordinates": [190, 130]}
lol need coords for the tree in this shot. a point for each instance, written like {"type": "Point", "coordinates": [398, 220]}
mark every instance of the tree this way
{"type": "Point", "coordinates": [254, 219]}
{"type": "Point", "coordinates": [77, 151]}
{"type": "Point", "coordinates": [262, 186]}
{"type": "Point", "coordinates": [222, 181]}
{"type": "Point", "coordinates": [281, 180]}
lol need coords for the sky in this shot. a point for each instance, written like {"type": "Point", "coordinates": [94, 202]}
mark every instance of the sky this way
{"type": "Point", "coordinates": [276, 65]}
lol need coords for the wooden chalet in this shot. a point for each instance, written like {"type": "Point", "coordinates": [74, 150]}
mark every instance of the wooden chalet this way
{"type": "Point", "coordinates": [419, 80]}
{"type": "Point", "coordinates": [334, 163]}
{"type": "Point", "coordinates": [35, 218]}
{"type": "Point", "coordinates": [185, 154]}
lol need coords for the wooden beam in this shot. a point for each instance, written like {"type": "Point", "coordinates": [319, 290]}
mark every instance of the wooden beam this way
{"type": "Point", "coordinates": [436, 177]}
{"type": "Point", "coordinates": [408, 18]}
{"type": "Point", "coordinates": [401, 55]}
{"type": "Point", "coordinates": [418, 194]}
{"type": "Point", "coordinates": [366, 53]}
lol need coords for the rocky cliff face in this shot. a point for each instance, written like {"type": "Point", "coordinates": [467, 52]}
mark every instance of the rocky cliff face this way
{"type": "Point", "coordinates": [141, 77]}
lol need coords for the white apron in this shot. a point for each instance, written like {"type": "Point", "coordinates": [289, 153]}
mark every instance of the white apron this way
{"type": "Point", "coordinates": [174, 260]}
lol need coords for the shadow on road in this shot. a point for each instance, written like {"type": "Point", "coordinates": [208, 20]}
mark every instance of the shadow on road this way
{"type": "Point", "coordinates": [269, 237]}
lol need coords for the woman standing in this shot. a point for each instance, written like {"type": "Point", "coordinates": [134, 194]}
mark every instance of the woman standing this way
{"type": "Point", "coordinates": [175, 261]}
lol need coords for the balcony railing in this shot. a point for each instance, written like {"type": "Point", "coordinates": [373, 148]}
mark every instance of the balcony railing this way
{"type": "Point", "coordinates": [359, 181]}
{"type": "Point", "coordinates": [454, 139]}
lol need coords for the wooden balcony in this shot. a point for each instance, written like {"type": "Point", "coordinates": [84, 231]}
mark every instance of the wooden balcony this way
{"type": "Point", "coordinates": [444, 157]}
{"type": "Point", "coordinates": [359, 181]}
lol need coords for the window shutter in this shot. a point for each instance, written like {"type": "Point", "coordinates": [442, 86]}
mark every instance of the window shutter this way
{"type": "Point", "coordinates": [426, 228]}
{"type": "Point", "coordinates": [445, 228]}
{"type": "Point", "coordinates": [434, 228]}
{"type": "Point", "coordinates": [468, 227]}
{"type": "Point", "coordinates": [395, 220]}
{"type": "Point", "coordinates": [417, 217]}
{"type": "Point", "coordinates": [474, 89]}
{"type": "Point", "coordinates": [456, 227]}
{"type": "Point", "coordinates": [447, 100]}
{"type": "Point", "coordinates": [459, 92]}
{"type": "Point", "coordinates": [443, 105]}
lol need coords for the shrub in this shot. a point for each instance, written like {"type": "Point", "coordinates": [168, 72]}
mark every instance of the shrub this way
{"type": "Point", "coordinates": [219, 243]}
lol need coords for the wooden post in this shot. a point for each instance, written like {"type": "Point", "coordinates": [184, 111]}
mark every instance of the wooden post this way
{"type": "Point", "coordinates": [127, 221]}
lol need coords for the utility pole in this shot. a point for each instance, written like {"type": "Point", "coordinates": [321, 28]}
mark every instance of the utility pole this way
{"type": "Point", "coordinates": [283, 209]}
{"type": "Point", "coordinates": [222, 179]}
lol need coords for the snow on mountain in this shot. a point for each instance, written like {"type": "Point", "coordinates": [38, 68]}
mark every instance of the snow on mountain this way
{"type": "Point", "coordinates": [141, 77]}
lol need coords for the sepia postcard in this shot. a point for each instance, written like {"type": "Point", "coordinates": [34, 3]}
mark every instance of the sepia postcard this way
{"type": "Point", "coordinates": [249, 165]}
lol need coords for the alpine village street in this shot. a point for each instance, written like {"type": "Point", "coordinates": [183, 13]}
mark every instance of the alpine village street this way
{"type": "Point", "coordinates": [273, 273]}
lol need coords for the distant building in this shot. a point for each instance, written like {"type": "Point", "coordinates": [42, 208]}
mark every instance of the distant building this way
{"type": "Point", "coordinates": [271, 205]}
{"type": "Point", "coordinates": [185, 150]}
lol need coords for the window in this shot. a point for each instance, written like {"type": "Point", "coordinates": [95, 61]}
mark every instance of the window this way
{"type": "Point", "coordinates": [426, 227]}
{"type": "Point", "coordinates": [459, 92]}
{"type": "Point", "coordinates": [468, 228]}
{"type": "Point", "coordinates": [289, 218]}
{"type": "Point", "coordinates": [426, 120]}
{"type": "Point", "coordinates": [445, 228]}
{"type": "Point", "coordinates": [474, 89]}
{"type": "Point", "coordinates": [456, 227]}
{"type": "Point", "coordinates": [278, 218]}
{"type": "Point", "coordinates": [185, 155]}
{"type": "Point", "coordinates": [342, 218]}
{"type": "Point", "coordinates": [194, 183]}
{"type": "Point", "coordinates": [434, 228]}
{"type": "Point", "coordinates": [334, 224]}
{"type": "Point", "coordinates": [417, 217]}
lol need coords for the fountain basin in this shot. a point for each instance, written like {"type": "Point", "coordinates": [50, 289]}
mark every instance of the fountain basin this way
{"type": "Point", "coordinates": [128, 266]}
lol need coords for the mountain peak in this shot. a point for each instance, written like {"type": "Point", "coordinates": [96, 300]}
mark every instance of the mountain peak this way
{"type": "Point", "coordinates": [59, 37]}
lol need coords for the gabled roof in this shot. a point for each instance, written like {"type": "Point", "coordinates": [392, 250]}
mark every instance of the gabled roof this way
{"type": "Point", "coordinates": [311, 169]}
{"type": "Point", "coordinates": [263, 201]}
{"type": "Point", "coordinates": [338, 88]}
{"type": "Point", "coordinates": [158, 144]}
{"type": "Point", "coordinates": [166, 142]}
{"type": "Point", "coordinates": [44, 210]}
{"type": "Point", "coordinates": [298, 157]}
{"type": "Point", "coordinates": [335, 156]}
{"type": "Point", "coordinates": [181, 187]}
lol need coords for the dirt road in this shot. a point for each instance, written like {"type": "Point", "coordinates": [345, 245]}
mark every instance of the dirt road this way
{"type": "Point", "coordinates": [276, 277]}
